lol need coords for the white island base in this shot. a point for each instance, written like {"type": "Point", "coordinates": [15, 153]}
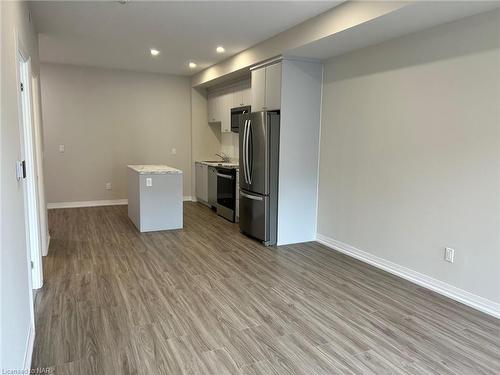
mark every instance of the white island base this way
{"type": "Point", "coordinates": [155, 197]}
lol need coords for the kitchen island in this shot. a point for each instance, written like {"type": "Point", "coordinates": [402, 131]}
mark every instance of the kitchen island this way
{"type": "Point", "coordinates": [155, 197]}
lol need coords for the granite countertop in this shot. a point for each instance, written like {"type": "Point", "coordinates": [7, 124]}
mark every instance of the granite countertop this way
{"type": "Point", "coordinates": [231, 165]}
{"type": "Point", "coordinates": [154, 169]}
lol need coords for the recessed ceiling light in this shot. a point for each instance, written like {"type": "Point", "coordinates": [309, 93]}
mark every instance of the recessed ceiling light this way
{"type": "Point", "coordinates": [154, 52]}
{"type": "Point", "coordinates": [220, 49]}
{"type": "Point", "coordinates": [192, 65]}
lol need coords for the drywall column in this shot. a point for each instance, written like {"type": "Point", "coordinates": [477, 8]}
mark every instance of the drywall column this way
{"type": "Point", "coordinates": [299, 151]}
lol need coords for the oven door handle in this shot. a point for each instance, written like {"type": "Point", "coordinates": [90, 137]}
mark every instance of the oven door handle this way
{"type": "Point", "coordinates": [229, 177]}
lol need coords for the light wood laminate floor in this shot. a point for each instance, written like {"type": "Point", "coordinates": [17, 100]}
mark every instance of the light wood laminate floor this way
{"type": "Point", "coordinates": [208, 300]}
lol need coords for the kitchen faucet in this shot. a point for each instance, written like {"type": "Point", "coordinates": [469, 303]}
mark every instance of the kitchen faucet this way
{"type": "Point", "coordinates": [223, 156]}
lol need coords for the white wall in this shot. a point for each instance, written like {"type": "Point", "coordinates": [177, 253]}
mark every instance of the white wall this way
{"type": "Point", "coordinates": [205, 138]}
{"type": "Point", "coordinates": [16, 331]}
{"type": "Point", "coordinates": [107, 119]}
{"type": "Point", "coordinates": [410, 152]}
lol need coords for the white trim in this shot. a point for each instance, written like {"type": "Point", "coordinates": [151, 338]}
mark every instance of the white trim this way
{"type": "Point", "coordinates": [111, 202]}
{"type": "Point", "coordinates": [477, 302]}
{"type": "Point", "coordinates": [187, 198]}
{"type": "Point", "coordinates": [30, 342]}
{"type": "Point", "coordinates": [271, 61]}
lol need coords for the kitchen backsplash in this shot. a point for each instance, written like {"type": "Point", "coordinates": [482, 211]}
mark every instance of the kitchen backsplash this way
{"type": "Point", "coordinates": [230, 144]}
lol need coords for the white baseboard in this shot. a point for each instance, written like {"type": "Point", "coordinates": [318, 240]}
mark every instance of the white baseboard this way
{"type": "Point", "coordinates": [111, 202]}
{"type": "Point", "coordinates": [477, 302]}
{"type": "Point", "coordinates": [30, 342]}
{"type": "Point", "coordinates": [187, 198]}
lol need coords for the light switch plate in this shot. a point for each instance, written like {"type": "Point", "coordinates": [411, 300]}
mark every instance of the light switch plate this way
{"type": "Point", "coordinates": [149, 181]}
{"type": "Point", "coordinates": [449, 254]}
{"type": "Point", "coordinates": [61, 148]}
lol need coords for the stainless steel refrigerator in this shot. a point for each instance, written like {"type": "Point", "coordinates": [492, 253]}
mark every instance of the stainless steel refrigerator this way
{"type": "Point", "coordinates": [259, 156]}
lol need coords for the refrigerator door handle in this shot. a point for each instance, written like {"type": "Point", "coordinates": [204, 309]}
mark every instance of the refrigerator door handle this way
{"type": "Point", "coordinates": [249, 160]}
{"type": "Point", "coordinates": [252, 197]}
{"type": "Point", "coordinates": [244, 151]}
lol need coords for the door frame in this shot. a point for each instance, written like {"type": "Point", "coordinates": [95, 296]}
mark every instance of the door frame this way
{"type": "Point", "coordinates": [39, 153]}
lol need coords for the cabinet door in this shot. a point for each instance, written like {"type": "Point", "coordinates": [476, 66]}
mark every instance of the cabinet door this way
{"type": "Point", "coordinates": [246, 95]}
{"type": "Point", "coordinates": [212, 107]}
{"type": "Point", "coordinates": [226, 102]}
{"type": "Point", "coordinates": [273, 87]}
{"type": "Point", "coordinates": [218, 107]}
{"type": "Point", "coordinates": [237, 95]}
{"type": "Point", "coordinates": [258, 89]}
{"type": "Point", "coordinates": [199, 180]}
{"type": "Point", "coordinates": [204, 182]}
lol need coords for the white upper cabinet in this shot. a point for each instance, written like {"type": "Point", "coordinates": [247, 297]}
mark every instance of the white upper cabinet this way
{"type": "Point", "coordinates": [266, 88]}
{"type": "Point", "coordinates": [221, 100]}
{"type": "Point", "coordinates": [246, 95]}
{"type": "Point", "coordinates": [226, 103]}
{"type": "Point", "coordinates": [241, 94]}
{"type": "Point", "coordinates": [273, 86]}
{"type": "Point", "coordinates": [213, 107]}
{"type": "Point", "coordinates": [258, 89]}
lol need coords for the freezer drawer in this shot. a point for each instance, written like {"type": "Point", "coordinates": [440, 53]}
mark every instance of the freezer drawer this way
{"type": "Point", "coordinates": [254, 215]}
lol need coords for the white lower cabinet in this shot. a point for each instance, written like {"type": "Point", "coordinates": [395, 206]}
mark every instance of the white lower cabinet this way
{"type": "Point", "coordinates": [201, 177]}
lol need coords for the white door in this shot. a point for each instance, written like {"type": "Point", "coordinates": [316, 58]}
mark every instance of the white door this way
{"type": "Point", "coordinates": [27, 171]}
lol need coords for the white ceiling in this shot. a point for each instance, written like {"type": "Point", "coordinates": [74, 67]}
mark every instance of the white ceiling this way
{"type": "Point", "coordinates": [108, 34]}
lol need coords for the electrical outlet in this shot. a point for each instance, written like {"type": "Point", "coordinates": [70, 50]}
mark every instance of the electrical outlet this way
{"type": "Point", "coordinates": [108, 185]}
{"type": "Point", "coordinates": [61, 148]}
{"type": "Point", "coordinates": [149, 181]}
{"type": "Point", "coordinates": [449, 254]}
{"type": "Point", "coordinates": [174, 151]}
